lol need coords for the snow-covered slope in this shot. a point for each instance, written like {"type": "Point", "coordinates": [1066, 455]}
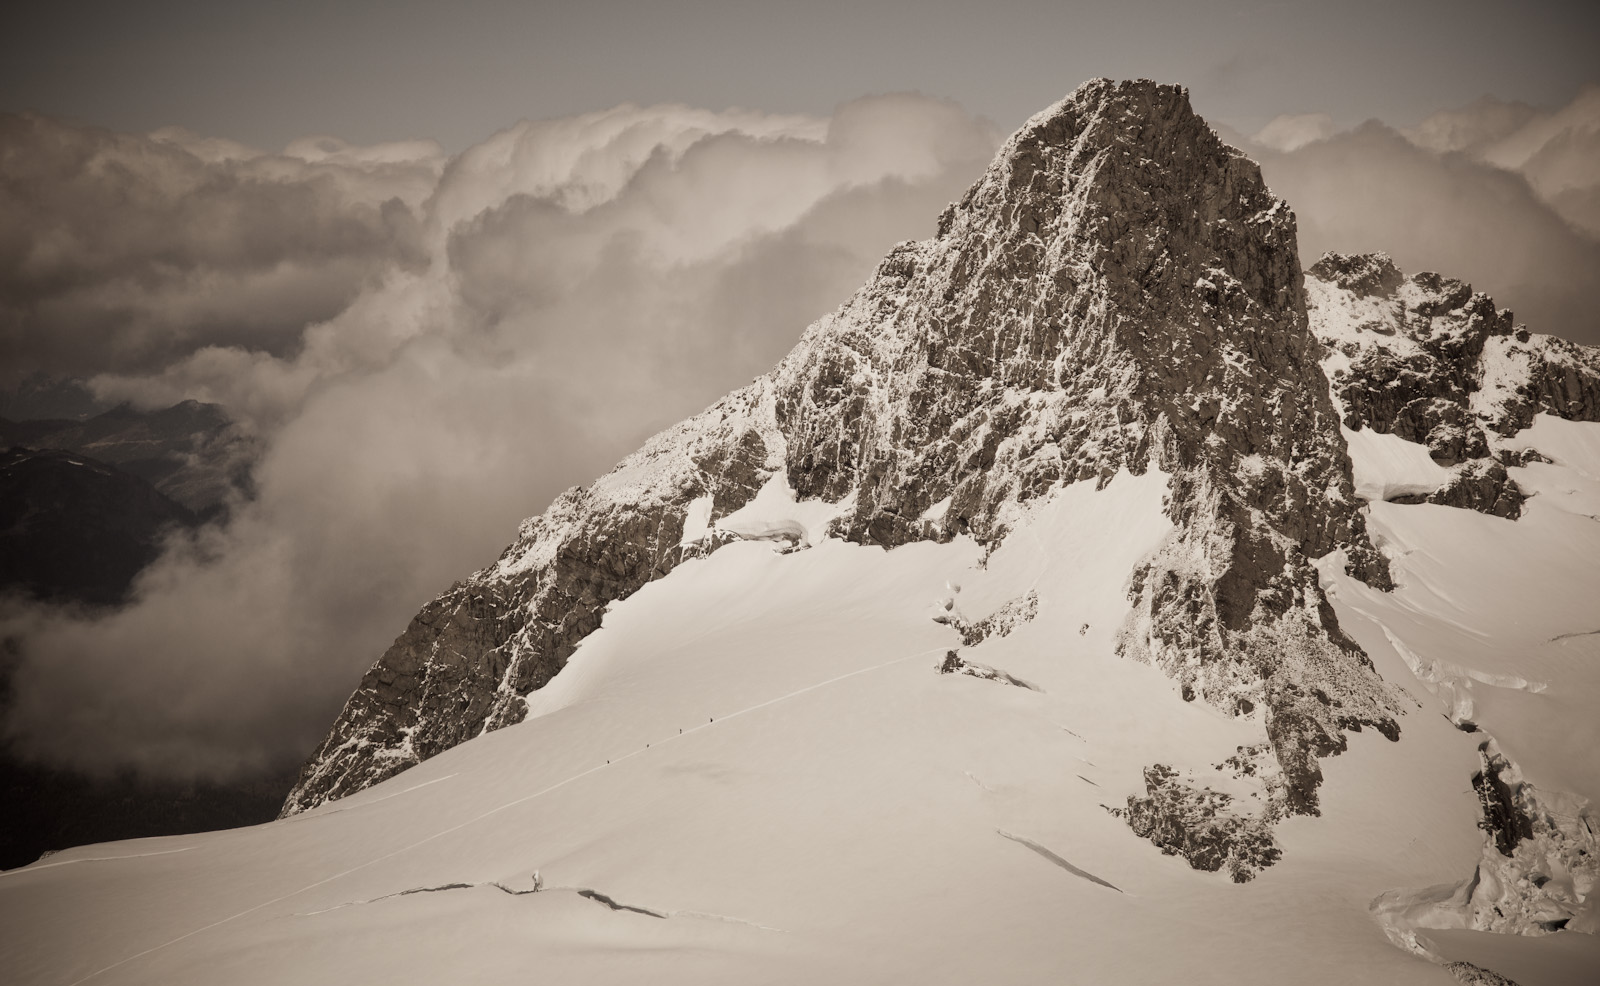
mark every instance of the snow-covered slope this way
{"type": "Point", "coordinates": [754, 772]}
{"type": "Point", "coordinates": [1061, 609]}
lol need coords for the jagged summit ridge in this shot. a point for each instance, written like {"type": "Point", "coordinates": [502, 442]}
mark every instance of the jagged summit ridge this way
{"type": "Point", "coordinates": [1426, 359]}
{"type": "Point", "coordinates": [1120, 290]}
{"type": "Point", "coordinates": [1072, 270]}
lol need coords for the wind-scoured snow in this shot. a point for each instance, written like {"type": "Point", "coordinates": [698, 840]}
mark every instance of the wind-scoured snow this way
{"type": "Point", "coordinates": [761, 737]}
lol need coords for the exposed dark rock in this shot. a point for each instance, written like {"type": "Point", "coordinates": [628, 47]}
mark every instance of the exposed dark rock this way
{"type": "Point", "coordinates": [1000, 623]}
{"type": "Point", "coordinates": [1426, 359]}
{"type": "Point", "coordinates": [1520, 457]}
{"type": "Point", "coordinates": [1484, 486]}
{"type": "Point", "coordinates": [1198, 824]}
{"type": "Point", "coordinates": [1120, 290]}
{"type": "Point", "coordinates": [1563, 380]}
{"type": "Point", "coordinates": [1366, 275]}
{"type": "Point", "coordinates": [74, 529]}
{"type": "Point", "coordinates": [1475, 975]}
{"type": "Point", "coordinates": [1503, 818]}
{"type": "Point", "coordinates": [464, 664]}
{"type": "Point", "coordinates": [954, 663]}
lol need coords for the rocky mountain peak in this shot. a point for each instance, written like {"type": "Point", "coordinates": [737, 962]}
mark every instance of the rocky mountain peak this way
{"type": "Point", "coordinates": [1119, 291]}
{"type": "Point", "coordinates": [1116, 266]}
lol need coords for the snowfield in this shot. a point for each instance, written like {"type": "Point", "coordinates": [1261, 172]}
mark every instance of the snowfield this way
{"type": "Point", "coordinates": [754, 772]}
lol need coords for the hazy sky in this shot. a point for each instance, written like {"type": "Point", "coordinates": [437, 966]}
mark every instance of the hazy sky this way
{"type": "Point", "coordinates": [367, 70]}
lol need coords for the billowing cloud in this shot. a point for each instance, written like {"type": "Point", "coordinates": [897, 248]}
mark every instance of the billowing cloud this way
{"type": "Point", "coordinates": [557, 293]}
{"type": "Point", "coordinates": [1501, 194]}
{"type": "Point", "coordinates": [124, 252]}
{"type": "Point", "coordinates": [1472, 127]}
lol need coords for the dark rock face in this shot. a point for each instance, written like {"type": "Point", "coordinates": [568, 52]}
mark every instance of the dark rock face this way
{"type": "Point", "coordinates": [1504, 818]}
{"type": "Point", "coordinates": [1476, 975]}
{"type": "Point", "coordinates": [1119, 291]}
{"type": "Point", "coordinates": [464, 664]}
{"type": "Point", "coordinates": [1417, 391]}
{"type": "Point", "coordinates": [1365, 275]}
{"type": "Point", "coordinates": [1000, 623]}
{"type": "Point", "coordinates": [1563, 380]}
{"type": "Point", "coordinates": [954, 663]}
{"type": "Point", "coordinates": [73, 529]}
{"type": "Point", "coordinates": [1120, 287]}
{"type": "Point", "coordinates": [1482, 485]}
{"type": "Point", "coordinates": [1430, 361]}
{"type": "Point", "coordinates": [1200, 825]}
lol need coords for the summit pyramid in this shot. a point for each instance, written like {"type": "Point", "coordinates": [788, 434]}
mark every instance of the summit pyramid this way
{"type": "Point", "coordinates": [1119, 291]}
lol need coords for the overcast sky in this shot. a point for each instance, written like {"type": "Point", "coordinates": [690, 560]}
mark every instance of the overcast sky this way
{"type": "Point", "coordinates": [371, 70]}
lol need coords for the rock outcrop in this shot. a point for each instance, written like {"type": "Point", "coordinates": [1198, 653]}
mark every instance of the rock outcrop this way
{"type": "Point", "coordinates": [1429, 360]}
{"type": "Point", "coordinates": [1537, 873]}
{"type": "Point", "coordinates": [1120, 290]}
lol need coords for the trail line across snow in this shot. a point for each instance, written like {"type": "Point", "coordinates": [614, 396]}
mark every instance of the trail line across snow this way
{"type": "Point", "coordinates": [92, 859]}
{"type": "Point", "coordinates": [494, 811]}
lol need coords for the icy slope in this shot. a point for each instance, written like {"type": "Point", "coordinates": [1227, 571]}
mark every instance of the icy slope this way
{"type": "Point", "coordinates": [1455, 406]}
{"type": "Point", "coordinates": [1498, 622]}
{"type": "Point", "coordinates": [834, 807]}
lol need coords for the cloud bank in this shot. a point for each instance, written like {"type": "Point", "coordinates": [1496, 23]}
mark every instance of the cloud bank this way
{"type": "Point", "coordinates": [430, 348]}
